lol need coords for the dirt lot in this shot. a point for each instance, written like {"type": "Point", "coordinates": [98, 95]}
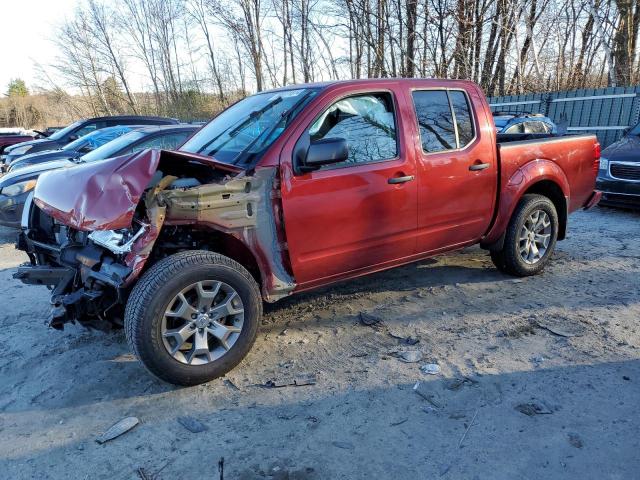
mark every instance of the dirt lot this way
{"type": "Point", "coordinates": [563, 347]}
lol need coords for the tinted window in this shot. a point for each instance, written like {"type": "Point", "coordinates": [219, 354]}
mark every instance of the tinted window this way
{"type": "Point", "coordinates": [90, 127]}
{"type": "Point", "coordinates": [464, 121]}
{"type": "Point", "coordinates": [435, 120]}
{"type": "Point", "coordinates": [366, 122]}
{"type": "Point", "coordinates": [244, 131]}
{"type": "Point", "coordinates": [169, 141]}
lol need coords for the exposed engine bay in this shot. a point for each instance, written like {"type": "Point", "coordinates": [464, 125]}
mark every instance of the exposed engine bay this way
{"type": "Point", "coordinates": [92, 241]}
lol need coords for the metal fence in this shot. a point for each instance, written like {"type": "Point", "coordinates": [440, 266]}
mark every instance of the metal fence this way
{"type": "Point", "coordinates": [607, 112]}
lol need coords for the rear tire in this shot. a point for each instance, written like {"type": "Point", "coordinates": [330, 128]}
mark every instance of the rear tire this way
{"type": "Point", "coordinates": [174, 325]}
{"type": "Point", "coordinates": [530, 238]}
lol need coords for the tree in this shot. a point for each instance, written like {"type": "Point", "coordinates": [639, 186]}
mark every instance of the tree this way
{"type": "Point", "coordinates": [17, 88]}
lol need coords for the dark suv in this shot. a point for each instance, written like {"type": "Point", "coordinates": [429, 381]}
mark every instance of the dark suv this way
{"type": "Point", "coordinates": [78, 129]}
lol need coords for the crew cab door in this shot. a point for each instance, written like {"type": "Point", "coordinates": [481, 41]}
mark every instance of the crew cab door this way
{"type": "Point", "coordinates": [355, 215]}
{"type": "Point", "coordinates": [456, 165]}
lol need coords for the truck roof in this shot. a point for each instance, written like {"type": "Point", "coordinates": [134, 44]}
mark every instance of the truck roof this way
{"type": "Point", "coordinates": [370, 82]}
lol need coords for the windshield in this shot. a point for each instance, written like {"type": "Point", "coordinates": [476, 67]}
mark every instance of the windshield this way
{"type": "Point", "coordinates": [112, 148]}
{"type": "Point", "coordinates": [96, 138]}
{"type": "Point", "coordinates": [63, 133]}
{"type": "Point", "coordinates": [635, 130]}
{"type": "Point", "coordinates": [244, 131]}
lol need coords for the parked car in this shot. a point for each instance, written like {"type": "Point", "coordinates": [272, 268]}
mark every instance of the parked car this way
{"type": "Point", "coordinates": [510, 123]}
{"type": "Point", "coordinates": [619, 174]}
{"type": "Point", "coordinates": [286, 191]}
{"type": "Point", "coordinates": [12, 136]}
{"type": "Point", "coordinates": [75, 149]}
{"type": "Point", "coordinates": [16, 185]}
{"type": "Point", "coordinates": [78, 129]}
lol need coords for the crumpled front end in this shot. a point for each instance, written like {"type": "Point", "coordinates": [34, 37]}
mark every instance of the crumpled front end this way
{"type": "Point", "coordinates": [90, 240]}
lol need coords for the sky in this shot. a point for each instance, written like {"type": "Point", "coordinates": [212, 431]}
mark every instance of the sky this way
{"type": "Point", "coordinates": [26, 33]}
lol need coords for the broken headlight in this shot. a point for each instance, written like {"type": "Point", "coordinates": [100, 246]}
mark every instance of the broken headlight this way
{"type": "Point", "coordinates": [117, 241]}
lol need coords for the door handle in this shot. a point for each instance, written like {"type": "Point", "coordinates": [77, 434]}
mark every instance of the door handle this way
{"type": "Point", "coordinates": [479, 166]}
{"type": "Point", "coordinates": [396, 180]}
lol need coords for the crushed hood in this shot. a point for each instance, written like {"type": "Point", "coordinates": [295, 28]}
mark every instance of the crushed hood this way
{"type": "Point", "coordinates": [103, 195]}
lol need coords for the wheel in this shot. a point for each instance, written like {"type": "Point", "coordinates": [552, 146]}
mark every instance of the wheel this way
{"type": "Point", "coordinates": [193, 316]}
{"type": "Point", "coordinates": [530, 237]}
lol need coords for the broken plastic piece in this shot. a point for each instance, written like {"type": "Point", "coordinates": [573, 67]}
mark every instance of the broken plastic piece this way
{"type": "Point", "coordinates": [123, 426]}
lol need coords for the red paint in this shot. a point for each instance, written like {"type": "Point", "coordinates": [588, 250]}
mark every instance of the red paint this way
{"type": "Point", "coordinates": [8, 140]}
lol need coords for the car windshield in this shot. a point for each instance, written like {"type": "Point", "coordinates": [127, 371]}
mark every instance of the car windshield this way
{"type": "Point", "coordinates": [63, 133]}
{"type": "Point", "coordinates": [97, 138]}
{"type": "Point", "coordinates": [112, 148]}
{"type": "Point", "coordinates": [244, 131]}
{"type": "Point", "coordinates": [635, 130]}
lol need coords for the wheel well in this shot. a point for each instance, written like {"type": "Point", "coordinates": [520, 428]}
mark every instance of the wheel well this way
{"type": "Point", "coordinates": [553, 192]}
{"type": "Point", "coordinates": [176, 239]}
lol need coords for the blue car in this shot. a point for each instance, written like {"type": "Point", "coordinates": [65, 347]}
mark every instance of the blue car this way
{"type": "Point", "coordinates": [15, 186]}
{"type": "Point", "coordinates": [510, 123]}
{"type": "Point", "coordinates": [72, 150]}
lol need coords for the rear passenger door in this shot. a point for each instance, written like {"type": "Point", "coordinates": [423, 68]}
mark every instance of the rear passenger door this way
{"type": "Point", "coordinates": [457, 171]}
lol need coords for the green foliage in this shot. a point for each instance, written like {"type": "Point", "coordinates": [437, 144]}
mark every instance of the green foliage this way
{"type": "Point", "coordinates": [17, 88]}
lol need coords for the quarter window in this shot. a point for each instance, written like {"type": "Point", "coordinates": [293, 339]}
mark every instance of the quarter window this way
{"type": "Point", "coordinates": [366, 122]}
{"type": "Point", "coordinates": [444, 118]}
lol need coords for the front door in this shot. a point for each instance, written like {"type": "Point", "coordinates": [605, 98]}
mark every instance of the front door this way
{"type": "Point", "coordinates": [358, 214]}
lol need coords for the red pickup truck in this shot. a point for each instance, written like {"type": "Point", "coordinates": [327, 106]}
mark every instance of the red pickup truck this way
{"type": "Point", "coordinates": [286, 191]}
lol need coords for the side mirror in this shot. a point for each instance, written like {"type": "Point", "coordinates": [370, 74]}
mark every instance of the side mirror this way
{"type": "Point", "coordinates": [85, 149]}
{"type": "Point", "coordinates": [326, 151]}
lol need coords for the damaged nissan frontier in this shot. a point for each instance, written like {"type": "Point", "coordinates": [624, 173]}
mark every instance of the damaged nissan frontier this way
{"type": "Point", "coordinates": [286, 191]}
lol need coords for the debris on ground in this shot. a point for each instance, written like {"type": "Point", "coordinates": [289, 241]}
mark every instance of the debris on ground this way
{"type": "Point", "coordinates": [429, 395]}
{"type": "Point", "coordinates": [575, 440]}
{"type": "Point", "coordinates": [123, 426]}
{"type": "Point", "coordinates": [343, 445]}
{"type": "Point", "coordinates": [457, 383]}
{"type": "Point", "coordinates": [296, 381]}
{"type": "Point", "coordinates": [430, 369]}
{"type": "Point", "coordinates": [533, 408]}
{"type": "Point", "coordinates": [563, 327]}
{"type": "Point", "coordinates": [192, 424]}
{"type": "Point", "coordinates": [408, 356]}
{"type": "Point", "coordinates": [405, 340]}
{"type": "Point", "coordinates": [372, 321]}
{"type": "Point", "coordinates": [399, 422]}
{"type": "Point", "coordinates": [468, 428]}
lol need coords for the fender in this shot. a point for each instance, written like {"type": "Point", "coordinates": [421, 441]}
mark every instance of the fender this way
{"type": "Point", "coordinates": [516, 186]}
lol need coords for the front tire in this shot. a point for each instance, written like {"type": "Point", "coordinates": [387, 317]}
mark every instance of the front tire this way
{"type": "Point", "coordinates": [530, 238]}
{"type": "Point", "coordinates": [193, 317]}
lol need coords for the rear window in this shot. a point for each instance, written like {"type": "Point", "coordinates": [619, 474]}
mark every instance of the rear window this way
{"type": "Point", "coordinates": [444, 118]}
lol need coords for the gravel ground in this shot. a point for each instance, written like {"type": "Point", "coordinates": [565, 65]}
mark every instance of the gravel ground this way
{"type": "Point", "coordinates": [539, 378]}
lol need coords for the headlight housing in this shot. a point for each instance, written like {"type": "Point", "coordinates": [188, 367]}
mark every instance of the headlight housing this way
{"type": "Point", "coordinates": [604, 163]}
{"type": "Point", "coordinates": [18, 188]}
{"type": "Point", "coordinates": [20, 150]}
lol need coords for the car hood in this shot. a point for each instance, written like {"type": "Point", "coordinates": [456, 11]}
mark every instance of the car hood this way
{"type": "Point", "coordinates": [41, 157]}
{"type": "Point", "coordinates": [627, 149]}
{"type": "Point", "coordinates": [103, 195]}
{"type": "Point", "coordinates": [39, 144]}
{"type": "Point", "coordinates": [33, 171]}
